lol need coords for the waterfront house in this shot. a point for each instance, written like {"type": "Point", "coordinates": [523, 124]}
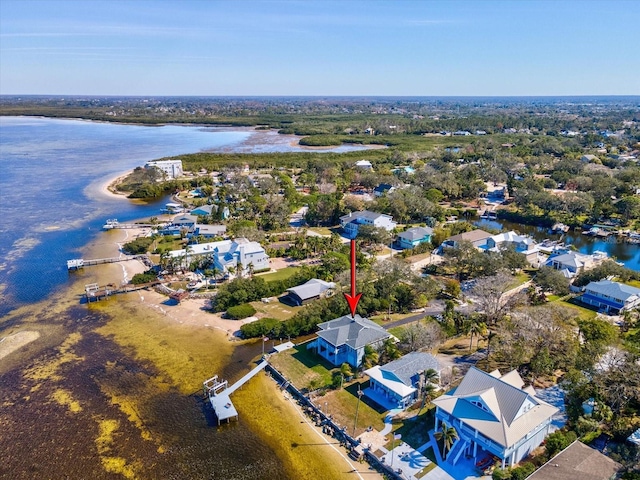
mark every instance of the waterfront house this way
{"type": "Point", "coordinates": [203, 210]}
{"type": "Point", "coordinates": [494, 415]}
{"type": "Point", "coordinates": [520, 243]}
{"type": "Point", "coordinates": [578, 461]}
{"type": "Point", "coordinates": [478, 239]}
{"type": "Point", "coordinates": [186, 220]}
{"type": "Point", "coordinates": [352, 221]}
{"type": "Point", "coordinates": [383, 189]}
{"type": "Point", "coordinates": [396, 384]}
{"type": "Point", "coordinates": [309, 291]}
{"type": "Point", "coordinates": [344, 339]}
{"type": "Point", "coordinates": [169, 168]}
{"type": "Point", "coordinates": [573, 263]}
{"type": "Point", "coordinates": [242, 255]}
{"type": "Point", "coordinates": [414, 236]}
{"type": "Point", "coordinates": [612, 297]}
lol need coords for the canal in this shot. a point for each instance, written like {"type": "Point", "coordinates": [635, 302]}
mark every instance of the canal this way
{"type": "Point", "coordinates": [616, 247]}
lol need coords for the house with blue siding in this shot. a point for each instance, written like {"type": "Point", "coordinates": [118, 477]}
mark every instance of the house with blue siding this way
{"type": "Point", "coordinates": [414, 236]}
{"type": "Point", "coordinates": [396, 384]}
{"type": "Point", "coordinates": [344, 339]}
{"type": "Point", "coordinates": [494, 415]}
{"type": "Point", "coordinates": [612, 297]}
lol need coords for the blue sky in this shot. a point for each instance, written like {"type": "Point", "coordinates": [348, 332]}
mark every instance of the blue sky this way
{"type": "Point", "coordinates": [348, 47]}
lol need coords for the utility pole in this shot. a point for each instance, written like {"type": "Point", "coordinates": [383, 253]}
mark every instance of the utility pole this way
{"type": "Point", "coordinates": [355, 423]}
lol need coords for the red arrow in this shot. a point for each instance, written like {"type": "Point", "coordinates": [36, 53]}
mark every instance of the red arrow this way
{"type": "Point", "coordinates": [353, 299]}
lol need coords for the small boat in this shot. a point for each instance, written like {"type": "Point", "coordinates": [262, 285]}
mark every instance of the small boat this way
{"type": "Point", "coordinates": [559, 228]}
{"type": "Point", "coordinates": [111, 223]}
{"type": "Point", "coordinates": [489, 215]}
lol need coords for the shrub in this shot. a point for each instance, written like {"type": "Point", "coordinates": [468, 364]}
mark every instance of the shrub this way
{"type": "Point", "coordinates": [241, 311]}
{"type": "Point", "coordinates": [522, 472]}
{"type": "Point", "coordinates": [146, 277]}
{"type": "Point", "coordinates": [137, 246]}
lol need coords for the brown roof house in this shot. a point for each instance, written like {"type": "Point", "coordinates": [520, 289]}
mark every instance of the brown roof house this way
{"type": "Point", "coordinates": [578, 461]}
{"type": "Point", "coordinates": [478, 239]}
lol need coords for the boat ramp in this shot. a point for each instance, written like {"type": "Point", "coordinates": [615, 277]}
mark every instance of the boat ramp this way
{"type": "Point", "coordinates": [219, 392]}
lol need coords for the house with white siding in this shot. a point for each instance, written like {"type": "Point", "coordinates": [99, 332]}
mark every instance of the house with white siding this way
{"type": "Point", "coordinates": [494, 414]}
{"type": "Point", "coordinates": [396, 384]}
{"type": "Point", "coordinates": [352, 221]}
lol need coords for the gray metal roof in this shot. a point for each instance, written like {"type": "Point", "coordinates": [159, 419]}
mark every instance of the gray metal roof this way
{"type": "Point", "coordinates": [416, 233]}
{"type": "Point", "coordinates": [311, 289]}
{"type": "Point", "coordinates": [507, 414]}
{"type": "Point", "coordinates": [366, 214]}
{"type": "Point", "coordinates": [355, 332]}
{"type": "Point", "coordinates": [611, 289]}
{"type": "Point", "coordinates": [409, 365]}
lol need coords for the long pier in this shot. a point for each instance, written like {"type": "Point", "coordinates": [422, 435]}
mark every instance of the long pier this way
{"type": "Point", "coordinates": [93, 291]}
{"type": "Point", "coordinates": [218, 391]}
{"type": "Point", "coordinates": [78, 263]}
{"type": "Point", "coordinates": [115, 224]}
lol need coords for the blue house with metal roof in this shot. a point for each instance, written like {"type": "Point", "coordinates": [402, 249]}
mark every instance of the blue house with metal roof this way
{"type": "Point", "coordinates": [343, 339]}
{"type": "Point", "coordinates": [612, 297]}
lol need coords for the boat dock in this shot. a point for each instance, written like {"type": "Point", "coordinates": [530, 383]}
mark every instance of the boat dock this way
{"type": "Point", "coordinates": [115, 224]}
{"type": "Point", "coordinates": [93, 291]}
{"type": "Point", "coordinates": [219, 392]}
{"type": "Point", "coordinates": [78, 263]}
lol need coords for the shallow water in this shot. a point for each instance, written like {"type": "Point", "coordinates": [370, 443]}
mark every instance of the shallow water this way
{"type": "Point", "coordinates": [109, 389]}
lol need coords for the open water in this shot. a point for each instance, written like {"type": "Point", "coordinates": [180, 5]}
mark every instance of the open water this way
{"type": "Point", "coordinates": [50, 199]}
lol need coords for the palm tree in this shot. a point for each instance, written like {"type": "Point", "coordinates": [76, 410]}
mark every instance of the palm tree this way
{"type": "Point", "coordinates": [428, 378]}
{"type": "Point", "coordinates": [448, 435]}
{"type": "Point", "coordinates": [477, 328]}
{"type": "Point", "coordinates": [345, 371]}
{"type": "Point", "coordinates": [370, 358]}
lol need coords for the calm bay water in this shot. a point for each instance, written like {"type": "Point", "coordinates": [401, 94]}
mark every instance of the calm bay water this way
{"type": "Point", "coordinates": [51, 204]}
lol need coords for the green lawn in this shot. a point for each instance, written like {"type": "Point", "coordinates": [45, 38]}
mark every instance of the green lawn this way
{"type": "Point", "coordinates": [519, 279]}
{"type": "Point", "coordinates": [342, 404]}
{"type": "Point", "coordinates": [301, 366]}
{"type": "Point", "coordinates": [320, 230]}
{"type": "Point", "coordinates": [275, 309]}
{"type": "Point", "coordinates": [583, 312]}
{"type": "Point", "coordinates": [282, 274]}
{"type": "Point", "coordinates": [414, 428]}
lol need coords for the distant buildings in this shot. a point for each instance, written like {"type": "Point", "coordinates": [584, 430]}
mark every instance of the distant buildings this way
{"type": "Point", "coordinates": [352, 221]}
{"type": "Point", "coordinates": [383, 189]}
{"type": "Point", "coordinates": [364, 165]}
{"type": "Point", "coordinates": [170, 168]}
{"type": "Point", "coordinates": [414, 236]}
{"type": "Point", "coordinates": [478, 238]}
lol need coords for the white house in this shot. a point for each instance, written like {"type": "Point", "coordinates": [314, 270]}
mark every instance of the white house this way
{"type": "Point", "coordinates": [396, 384]}
{"type": "Point", "coordinates": [364, 164]}
{"type": "Point", "coordinates": [494, 415]}
{"type": "Point", "coordinates": [572, 263]}
{"type": "Point", "coordinates": [521, 243]}
{"type": "Point", "coordinates": [352, 221]}
{"type": "Point", "coordinates": [612, 297]}
{"type": "Point", "coordinates": [171, 168]}
{"type": "Point", "coordinates": [239, 254]}
{"type": "Point", "coordinates": [478, 239]}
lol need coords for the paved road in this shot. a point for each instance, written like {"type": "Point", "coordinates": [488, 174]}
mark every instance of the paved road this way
{"type": "Point", "coordinates": [436, 307]}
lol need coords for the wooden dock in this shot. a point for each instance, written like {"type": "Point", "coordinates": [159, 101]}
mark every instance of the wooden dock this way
{"type": "Point", "coordinates": [78, 263]}
{"type": "Point", "coordinates": [115, 224]}
{"type": "Point", "coordinates": [219, 392]}
{"type": "Point", "coordinates": [93, 291]}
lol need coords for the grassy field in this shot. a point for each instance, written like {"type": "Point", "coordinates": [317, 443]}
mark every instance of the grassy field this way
{"type": "Point", "coordinates": [342, 404]}
{"type": "Point", "coordinates": [583, 312]}
{"type": "Point", "coordinates": [275, 309]}
{"type": "Point", "coordinates": [320, 230]}
{"type": "Point", "coordinates": [301, 366]}
{"type": "Point", "coordinates": [282, 274]}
